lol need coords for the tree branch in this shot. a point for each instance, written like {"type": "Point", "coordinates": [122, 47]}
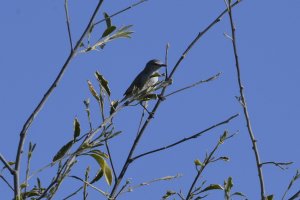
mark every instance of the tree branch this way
{"type": "Point", "coordinates": [121, 11]}
{"type": "Point", "coordinates": [195, 84]}
{"type": "Point", "coordinates": [4, 179]}
{"type": "Point", "coordinates": [68, 24]}
{"type": "Point", "coordinates": [244, 105]}
{"type": "Point", "coordinates": [10, 169]}
{"type": "Point", "coordinates": [150, 117]}
{"type": "Point", "coordinates": [31, 118]}
{"type": "Point", "coordinates": [186, 139]}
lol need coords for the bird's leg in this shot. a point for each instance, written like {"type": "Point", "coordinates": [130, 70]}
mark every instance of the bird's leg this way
{"type": "Point", "coordinates": [150, 113]}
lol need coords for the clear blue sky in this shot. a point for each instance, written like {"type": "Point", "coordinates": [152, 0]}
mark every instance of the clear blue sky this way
{"type": "Point", "coordinates": [35, 45]}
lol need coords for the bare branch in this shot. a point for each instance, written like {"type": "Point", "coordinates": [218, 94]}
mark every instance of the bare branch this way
{"type": "Point", "coordinates": [121, 11]}
{"type": "Point", "coordinates": [208, 159]}
{"type": "Point", "coordinates": [10, 169]}
{"type": "Point", "coordinates": [150, 117]}
{"type": "Point", "coordinates": [243, 103]}
{"type": "Point", "coordinates": [166, 59]}
{"type": "Point", "coordinates": [91, 185]}
{"type": "Point", "coordinates": [4, 179]}
{"type": "Point", "coordinates": [195, 84]}
{"type": "Point", "coordinates": [296, 195]}
{"type": "Point", "coordinates": [68, 24]}
{"type": "Point", "coordinates": [31, 118]}
{"type": "Point", "coordinates": [281, 165]}
{"type": "Point", "coordinates": [186, 139]}
{"type": "Point", "coordinates": [166, 178]}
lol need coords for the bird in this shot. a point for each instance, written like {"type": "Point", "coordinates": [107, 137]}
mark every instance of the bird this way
{"type": "Point", "coordinates": [144, 79]}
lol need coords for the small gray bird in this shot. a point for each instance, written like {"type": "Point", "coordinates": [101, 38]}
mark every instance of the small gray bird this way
{"type": "Point", "coordinates": [144, 79]}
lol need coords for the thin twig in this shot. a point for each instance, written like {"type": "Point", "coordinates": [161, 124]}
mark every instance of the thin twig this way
{"type": "Point", "coordinates": [141, 120]}
{"type": "Point", "coordinates": [10, 169]}
{"type": "Point", "coordinates": [208, 159]}
{"type": "Point", "coordinates": [194, 136]}
{"type": "Point", "coordinates": [166, 59]}
{"type": "Point", "coordinates": [74, 193]}
{"type": "Point", "coordinates": [68, 24]}
{"type": "Point", "coordinates": [110, 159]}
{"type": "Point", "coordinates": [278, 164]}
{"type": "Point", "coordinates": [296, 195]}
{"type": "Point", "coordinates": [123, 188]}
{"type": "Point", "coordinates": [195, 84]}
{"type": "Point", "coordinates": [29, 155]}
{"type": "Point", "coordinates": [244, 105]}
{"type": "Point", "coordinates": [58, 176]}
{"type": "Point", "coordinates": [199, 172]}
{"type": "Point", "coordinates": [44, 99]}
{"type": "Point", "coordinates": [150, 117]}
{"type": "Point", "coordinates": [166, 178]}
{"type": "Point", "coordinates": [121, 11]}
{"type": "Point", "coordinates": [295, 177]}
{"type": "Point", "coordinates": [4, 179]}
{"type": "Point", "coordinates": [91, 185]}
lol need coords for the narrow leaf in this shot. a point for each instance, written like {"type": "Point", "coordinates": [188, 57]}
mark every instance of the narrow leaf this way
{"type": "Point", "coordinates": [100, 153]}
{"type": "Point", "coordinates": [223, 137]}
{"type": "Point", "coordinates": [213, 187]}
{"type": "Point", "coordinates": [98, 176]}
{"type": "Point", "coordinates": [108, 31]}
{"type": "Point", "coordinates": [76, 125]}
{"type": "Point", "coordinates": [198, 162]}
{"type": "Point", "coordinates": [62, 151]}
{"type": "Point", "coordinates": [93, 91]}
{"type": "Point", "coordinates": [106, 170]}
{"type": "Point", "coordinates": [103, 82]}
{"type": "Point", "coordinates": [238, 194]}
{"type": "Point", "coordinates": [168, 194]}
{"type": "Point", "coordinates": [107, 19]}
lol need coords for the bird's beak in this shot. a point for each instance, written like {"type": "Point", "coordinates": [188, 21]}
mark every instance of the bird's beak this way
{"type": "Point", "coordinates": [163, 65]}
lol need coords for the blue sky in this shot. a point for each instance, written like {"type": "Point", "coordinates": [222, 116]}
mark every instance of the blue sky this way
{"type": "Point", "coordinates": [35, 45]}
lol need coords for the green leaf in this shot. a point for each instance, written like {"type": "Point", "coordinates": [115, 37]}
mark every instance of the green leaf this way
{"type": "Point", "coordinates": [91, 28]}
{"type": "Point", "coordinates": [23, 185]}
{"type": "Point", "coordinates": [123, 32]}
{"type": "Point", "coordinates": [39, 185]}
{"type": "Point", "coordinates": [223, 137]}
{"type": "Point", "coordinates": [108, 31]}
{"type": "Point", "coordinates": [93, 91]}
{"type": "Point", "coordinates": [107, 19]}
{"type": "Point", "coordinates": [238, 194]}
{"type": "Point", "coordinates": [76, 125]}
{"type": "Point", "coordinates": [106, 170]}
{"type": "Point", "coordinates": [62, 151]}
{"type": "Point", "coordinates": [31, 193]}
{"type": "Point", "coordinates": [225, 158]}
{"type": "Point", "coordinates": [198, 162]}
{"type": "Point", "coordinates": [228, 184]}
{"type": "Point", "coordinates": [213, 187]}
{"type": "Point", "coordinates": [100, 153]}
{"type": "Point", "coordinates": [103, 82]}
{"type": "Point", "coordinates": [168, 194]}
{"type": "Point", "coordinates": [270, 197]}
{"type": "Point", "coordinates": [98, 176]}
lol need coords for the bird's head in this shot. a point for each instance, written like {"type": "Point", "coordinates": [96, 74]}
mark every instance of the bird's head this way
{"type": "Point", "coordinates": [154, 65]}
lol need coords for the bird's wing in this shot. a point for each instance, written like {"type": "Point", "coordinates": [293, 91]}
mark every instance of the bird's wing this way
{"type": "Point", "coordinates": [138, 83]}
